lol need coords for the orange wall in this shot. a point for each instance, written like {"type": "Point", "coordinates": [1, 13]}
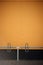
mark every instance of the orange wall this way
{"type": "Point", "coordinates": [21, 22]}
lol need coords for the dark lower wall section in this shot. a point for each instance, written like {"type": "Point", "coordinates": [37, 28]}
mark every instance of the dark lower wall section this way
{"type": "Point", "coordinates": [23, 54]}
{"type": "Point", "coordinates": [31, 54]}
{"type": "Point", "coordinates": [8, 54]}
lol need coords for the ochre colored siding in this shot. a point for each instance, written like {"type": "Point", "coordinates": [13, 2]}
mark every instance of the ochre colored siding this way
{"type": "Point", "coordinates": [21, 22]}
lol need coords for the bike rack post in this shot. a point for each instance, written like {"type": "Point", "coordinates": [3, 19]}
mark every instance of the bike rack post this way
{"type": "Point", "coordinates": [17, 53]}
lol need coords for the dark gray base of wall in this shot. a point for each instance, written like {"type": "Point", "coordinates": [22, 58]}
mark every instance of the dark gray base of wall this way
{"type": "Point", "coordinates": [8, 54]}
{"type": "Point", "coordinates": [23, 54]}
{"type": "Point", "coordinates": [31, 54]}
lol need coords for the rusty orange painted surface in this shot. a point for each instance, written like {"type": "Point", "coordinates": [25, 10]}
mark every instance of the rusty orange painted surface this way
{"type": "Point", "coordinates": [21, 22]}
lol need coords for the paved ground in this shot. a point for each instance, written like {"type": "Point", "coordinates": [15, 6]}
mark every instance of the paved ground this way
{"type": "Point", "coordinates": [13, 62]}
